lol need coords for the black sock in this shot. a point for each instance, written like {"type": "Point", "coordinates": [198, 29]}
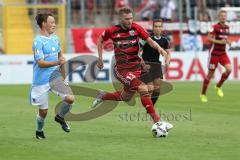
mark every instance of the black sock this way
{"type": "Point", "coordinates": [155, 96]}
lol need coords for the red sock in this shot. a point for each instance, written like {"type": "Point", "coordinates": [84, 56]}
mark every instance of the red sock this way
{"type": "Point", "coordinates": [223, 79]}
{"type": "Point", "coordinates": [147, 103]}
{"type": "Point", "coordinates": [116, 96]}
{"type": "Point", "coordinates": [205, 85]}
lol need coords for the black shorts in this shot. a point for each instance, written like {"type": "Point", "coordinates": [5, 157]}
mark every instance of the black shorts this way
{"type": "Point", "coordinates": [153, 72]}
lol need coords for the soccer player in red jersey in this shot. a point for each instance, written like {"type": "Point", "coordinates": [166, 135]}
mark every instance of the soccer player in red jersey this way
{"type": "Point", "coordinates": [218, 37]}
{"type": "Point", "coordinates": [127, 69]}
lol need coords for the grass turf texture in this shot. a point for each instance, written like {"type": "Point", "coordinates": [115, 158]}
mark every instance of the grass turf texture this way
{"type": "Point", "coordinates": [201, 131]}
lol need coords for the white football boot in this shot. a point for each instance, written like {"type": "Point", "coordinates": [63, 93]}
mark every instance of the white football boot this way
{"type": "Point", "coordinates": [98, 99]}
{"type": "Point", "coordinates": [169, 126]}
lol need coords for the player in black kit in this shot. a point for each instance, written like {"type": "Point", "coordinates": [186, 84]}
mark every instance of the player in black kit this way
{"type": "Point", "coordinates": [152, 73]}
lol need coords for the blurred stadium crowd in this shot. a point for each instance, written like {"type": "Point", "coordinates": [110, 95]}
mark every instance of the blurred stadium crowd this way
{"type": "Point", "coordinates": [95, 11]}
{"type": "Point", "coordinates": [98, 10]}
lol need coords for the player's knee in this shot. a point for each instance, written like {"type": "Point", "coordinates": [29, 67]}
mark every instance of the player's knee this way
{"type": "Point", "coordinates": [43, 113]}
{"type": "Point", "coordinates": [228, 70]}
{"type": "Point", "coordinates": [126, 99]}
{"type": "Point", "coordinates": [156, 87]}
{"type": "Point", "coordinates": [210, 75]}
{"type": "Point", "coordinates": [142, 88]}
{"type": "Point", "coordinates": [150, 89]}
{"type": "Point", "coordinates": [70, 99]}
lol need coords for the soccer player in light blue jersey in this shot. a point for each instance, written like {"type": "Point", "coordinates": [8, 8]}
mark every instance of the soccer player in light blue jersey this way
{"type": "Point", "coordinates": [49, 74]}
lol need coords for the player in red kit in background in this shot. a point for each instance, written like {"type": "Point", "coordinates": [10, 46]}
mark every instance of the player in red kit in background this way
{"type": "Point", "coordinates": [218, 37]}
{"type": "Point", "coordinates": [127, 69]}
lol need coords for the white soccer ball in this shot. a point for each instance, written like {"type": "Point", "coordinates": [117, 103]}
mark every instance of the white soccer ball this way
{"type": "Point", "coordinates": [159, 129]}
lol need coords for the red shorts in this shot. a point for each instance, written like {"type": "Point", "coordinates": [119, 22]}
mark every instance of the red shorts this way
{"type": "Point", "coordinates": [214, 60]}
{"type": "Point", "coordinates": [129, 78]}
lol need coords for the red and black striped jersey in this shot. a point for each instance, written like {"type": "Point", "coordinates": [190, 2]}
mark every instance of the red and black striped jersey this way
{"type": "Point", "coordinates": [126, 44]}
{"type": "Point", "coordinates": [219, 31]}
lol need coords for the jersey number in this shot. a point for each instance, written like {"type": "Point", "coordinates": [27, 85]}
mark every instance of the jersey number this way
{"type": "Point", "coordinates": [130, 76]}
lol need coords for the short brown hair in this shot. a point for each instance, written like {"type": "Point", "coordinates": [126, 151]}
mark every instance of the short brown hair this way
{"type": "Point", "coordinates": [125, 10]}
{"type": "Point", "coordinates": [157, 20]}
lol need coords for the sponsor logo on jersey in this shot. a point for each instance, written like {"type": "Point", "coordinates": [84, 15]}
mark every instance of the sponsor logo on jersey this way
{"type": "Point", "coordinates": [103, 34]}
{"type": "Point", "coordinates": [131, 32]}
{"type": "Point", "coordinates": [36, 52]}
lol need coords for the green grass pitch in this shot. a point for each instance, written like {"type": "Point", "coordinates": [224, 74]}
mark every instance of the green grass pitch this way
{"type": "Point", "coordinates": [201, 131]}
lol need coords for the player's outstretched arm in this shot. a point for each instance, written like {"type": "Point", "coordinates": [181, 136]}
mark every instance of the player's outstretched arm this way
{"type": "Point", "coordinates": [155, 45]}
{"type": "Point", "coordinates": [100, 48]}
{"type": "Point", "coordinates": [168, 58]}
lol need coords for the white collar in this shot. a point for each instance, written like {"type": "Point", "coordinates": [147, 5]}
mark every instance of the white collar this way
{"type": "Point", "coordinates": [157, 37]}
{"type": "Point", "coordinates": [46, 36]}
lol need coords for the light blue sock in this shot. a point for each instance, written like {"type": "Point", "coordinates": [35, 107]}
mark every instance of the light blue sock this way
{"type": "Point", "coordinates": [40, 122]}
{"type": "Point", "coordinates": [65, 109]}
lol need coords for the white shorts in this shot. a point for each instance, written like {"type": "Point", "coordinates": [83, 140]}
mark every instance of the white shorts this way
{"type": "Point", "coordinates": [39, 94]}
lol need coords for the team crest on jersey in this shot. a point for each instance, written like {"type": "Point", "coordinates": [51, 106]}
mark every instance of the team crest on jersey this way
{"type": "Point", "coordinates": [36, 52]}
{"type": "Point", "coordinates": [131, 32]}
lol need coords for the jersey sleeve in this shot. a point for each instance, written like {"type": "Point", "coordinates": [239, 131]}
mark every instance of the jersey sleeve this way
{"type": "Point", "coordinates": [143, 33]}
{"type": "Point", "coordinates": [106, 34]}
{"type": "Point", "coordinates": [37, 50]}
{"type": "Point", "coordinates": [213, 30]}
{"type": "Point", "coordinates": [167, 44]}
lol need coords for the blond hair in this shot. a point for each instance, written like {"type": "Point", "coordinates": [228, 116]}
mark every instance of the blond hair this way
{"type": "Point", "coordinates": [221, 11]}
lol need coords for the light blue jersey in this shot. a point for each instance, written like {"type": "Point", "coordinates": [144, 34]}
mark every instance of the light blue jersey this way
{"type": "Point", "coordinates": [46, 48]}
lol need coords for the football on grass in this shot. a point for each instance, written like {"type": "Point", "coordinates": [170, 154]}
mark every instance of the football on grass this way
{"type": "Point", "coordinates": [159, 129]}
